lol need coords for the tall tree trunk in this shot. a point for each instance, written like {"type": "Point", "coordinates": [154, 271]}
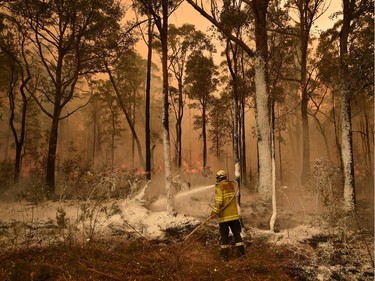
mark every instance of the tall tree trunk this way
{"type": "Point", "coordinates": [243, 117]}
{"type": "Point", "coordinates": [19, 138]}
{"type": "Point", "coordinates": [233, 67]}
{"type": "Point", "coordinates": [166, 140]}
{"type": "Point", "coordinates": [6, 145]}
{"type": "Point", "coordinates": [95, 134]}
{"type": "Point", "coordinates": [51, 157]}
{"type": "Point", "coordinates": [204, 138]}
{"type": "Point", "coordinates": [113, 134]}
{"type": "Point", "coordinates": [304, 103]}
{"type": "Point", "coordinates": [262, 113]}
{"type": "Point", "coordinates": [132, 112]}
{"type": "Point", "coordinates": [237, 164]}
{"type": "Point", "coordinates": [148, 97]}
{"type": "Point", "coordinates": [127, 115]}
{"type": "Point", "coordinates": [336, 130]}
{"type": "Point", "coordinates": [243, 141]}
{"type": "Point", "coordinates": [321, 130]}
{"type": "Point", "coordinates": [53, 137]}
{"type": "Point", "coordinates": [308, 11]}
{"type": "Point", "coordinates": [21, 141]}
{"type": "Point", "coordinates": [280, 159]}
{"type": "Point", "coordinates": [346, 123]}
{"type": "Point", "coordinates": [347, 153]}
{"type": "Point", "coordinates": [293, 133]}
{"type": "Point", "coordinates": [179, 124]}
{"type": "Point", "coordinates": [14, 62]}
{"type": "Point", "coordinates": [260, 58]}
{"type": "Point", "coordinates": [263, 128]}
{"type": "Point", "coordinates": [273, 156]}
{"type": "Point", "coordinates": [279, 141]}
{"type": "Point", "coordinates": [367, 141]}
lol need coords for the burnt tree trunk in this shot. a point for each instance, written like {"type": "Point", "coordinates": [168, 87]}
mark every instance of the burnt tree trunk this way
{"type": "Point", "coordinates": [148, 97]}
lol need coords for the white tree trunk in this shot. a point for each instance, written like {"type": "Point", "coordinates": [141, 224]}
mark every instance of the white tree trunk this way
{"type": "Point", "coordinates": [274, 206]}
{"type": "Point", "coordinates": [347, 153]}
{"type": "Point", "coordinates": [237, 173]}
{"type": "Point", "coordinates": [163, 28]}
{"type": "Point", "coordinates": [263, 127]}
{"type": "Point", "coordinates": [346, 125]}
{"type": "Point", "coordinates": [167, 172]}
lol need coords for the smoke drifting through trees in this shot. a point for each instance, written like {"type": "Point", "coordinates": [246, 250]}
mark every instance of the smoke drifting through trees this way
{"type": "Point", "coordinates": [294, 78]}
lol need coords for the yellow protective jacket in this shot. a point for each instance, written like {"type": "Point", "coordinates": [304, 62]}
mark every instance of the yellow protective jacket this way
{"type": "Point", "coordinates": [225, 192]}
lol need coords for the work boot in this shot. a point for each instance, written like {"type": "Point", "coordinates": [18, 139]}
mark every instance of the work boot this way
{"type": "Point", "coordinates": [240, 251]}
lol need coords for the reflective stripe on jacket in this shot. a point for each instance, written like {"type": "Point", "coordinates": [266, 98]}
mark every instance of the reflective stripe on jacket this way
{"type": "Point", "coordinates": [224, 192]}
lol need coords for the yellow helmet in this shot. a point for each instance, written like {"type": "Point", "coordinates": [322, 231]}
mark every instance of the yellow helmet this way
{"type": "Point", "coordinates": [221, 174]}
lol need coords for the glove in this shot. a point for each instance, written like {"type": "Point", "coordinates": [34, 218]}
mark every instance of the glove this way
{"type": "Point", "coordinates": [213, 215]}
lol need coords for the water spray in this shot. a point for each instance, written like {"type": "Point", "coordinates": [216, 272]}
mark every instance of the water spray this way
{"type": "Point", "coordinates": [193, 191]}
{"type": "Point", "coordinates": [162, 201]}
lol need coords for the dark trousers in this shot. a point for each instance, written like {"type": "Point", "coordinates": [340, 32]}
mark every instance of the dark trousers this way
{"type": "Point", "coordinates": [235, 227]}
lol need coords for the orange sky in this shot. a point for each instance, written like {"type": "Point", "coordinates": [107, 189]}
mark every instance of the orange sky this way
{"type": "Point", "coordinates": [186, 14]}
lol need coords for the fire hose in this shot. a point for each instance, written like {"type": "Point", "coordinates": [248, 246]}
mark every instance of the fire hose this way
{"type": "Point", "coordinates": [198, 227]}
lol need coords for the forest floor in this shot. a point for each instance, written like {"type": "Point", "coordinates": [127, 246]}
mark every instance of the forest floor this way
{"type": "Point", "coordinates": [124, 240]}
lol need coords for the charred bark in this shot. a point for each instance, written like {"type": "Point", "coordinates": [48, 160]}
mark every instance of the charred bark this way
{"type": "Point", "coordinates": [148, 97]}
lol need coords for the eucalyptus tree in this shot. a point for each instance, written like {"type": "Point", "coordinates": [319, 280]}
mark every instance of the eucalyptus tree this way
{"type": "Point", "coordinates": [93, 124]}
{"type": "Point", "coordinates": [182, 41]}
{"type": "Point", "coordinates": [35, 147]}
{"type": "Point", "coordinates": [13, 45]}
{"type": "Point", "coordinates": [221, 123]}
{"type": "Point", "coordinates": [350, 11]}
{"type": "Point", "coordinates": [160, 11]}
{"type": "Point", "coordinates": [127, 78]}
{"type": "Point", "coordinates": [150, 28]}
{"type": "Point", "coordinates": [132, 72]}
{"type": "Point", "coordinates": [110, 121]}
{"type": "Point", "coordinates": [281, 67]}
{"type": "Point", "coordinates": [348, 46]}
{"type": "Point", "coordinates": [234, 17]}
{"type": "Point", "coordinates": [68, 37]}
{"type": "Point", "coordinates": [259, 57]}
{"type": "Point", "coordinates": [328, 54]}
{"type": "Point", "coordinates": [360, 62]}
{"type": "Point", "coordinates": [201, 77]}
{"type": "Point", "coordinates": [308, 11]}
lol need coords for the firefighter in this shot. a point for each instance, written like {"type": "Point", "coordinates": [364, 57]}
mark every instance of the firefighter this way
{"type": "Point", "coordinates": [227, 212]}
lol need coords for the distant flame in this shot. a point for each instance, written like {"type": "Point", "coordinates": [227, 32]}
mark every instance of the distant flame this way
{"type": "Point", "coordinates": [189, 169]}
